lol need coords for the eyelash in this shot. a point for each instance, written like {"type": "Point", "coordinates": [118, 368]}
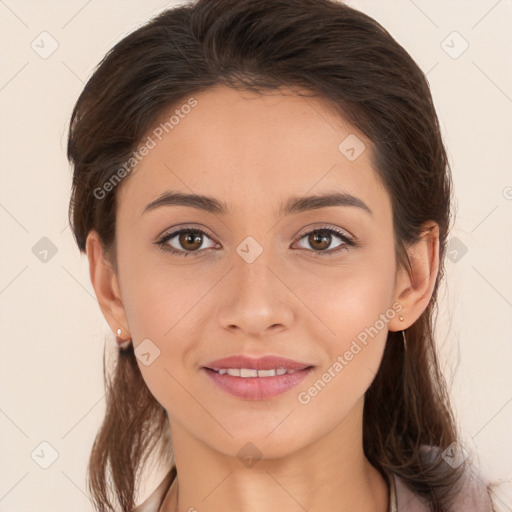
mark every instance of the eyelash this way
{"type": "Point", "coordinates": [162, 241]}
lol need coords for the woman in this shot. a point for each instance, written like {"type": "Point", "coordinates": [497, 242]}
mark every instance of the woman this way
{"type": "Point", "coordinates": [263, 194]}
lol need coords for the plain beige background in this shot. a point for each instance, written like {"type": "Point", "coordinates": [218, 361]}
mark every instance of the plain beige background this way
{"type": "Point", "coordinates": [52, 331]}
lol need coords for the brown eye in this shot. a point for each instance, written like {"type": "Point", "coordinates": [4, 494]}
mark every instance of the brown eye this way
{"type": "Point", "coordinates": [184, 242]}
{"type": "Point", "coordinates": [190, 240]}
{"type": "Point", "coordinates": [320, 239]}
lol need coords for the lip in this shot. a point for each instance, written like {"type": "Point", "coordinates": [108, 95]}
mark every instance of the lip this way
{"type": "Point", "coordinates": [256, 388]}
{"type": "Point", "coordinates": [256, 363]}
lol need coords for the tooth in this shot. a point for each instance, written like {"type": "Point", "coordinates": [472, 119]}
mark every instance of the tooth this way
{"type": "Point", "coordinates": [248, 372]}
{"type": "Point", "coordinates": [266, 373]}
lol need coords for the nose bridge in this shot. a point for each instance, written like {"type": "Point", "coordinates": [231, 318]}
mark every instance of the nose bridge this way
{"type": "Point", "coordinates": [257, 299]}
{"type": "Point", "coordinates": [253, 263]}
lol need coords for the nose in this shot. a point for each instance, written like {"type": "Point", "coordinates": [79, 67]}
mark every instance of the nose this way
{"type": "Point", "coordinates": [257, 299]}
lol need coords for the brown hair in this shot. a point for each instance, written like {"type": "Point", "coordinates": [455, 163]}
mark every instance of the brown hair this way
{"type": "Point", "coordinates": [346, 58]}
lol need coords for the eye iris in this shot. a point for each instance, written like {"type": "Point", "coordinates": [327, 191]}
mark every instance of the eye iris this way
{"type": "Point", "coordinates": [192, 237]}
{"type": "Point", "coordinates": [322, 237]}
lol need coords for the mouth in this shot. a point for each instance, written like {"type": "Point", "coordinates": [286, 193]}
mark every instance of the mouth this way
{"type": "Point", "coordinates": [245, 373]}
{"type": "Point", "coordinates": [263, 386]}
{"type": "Point", "coordinates": [246, 362]}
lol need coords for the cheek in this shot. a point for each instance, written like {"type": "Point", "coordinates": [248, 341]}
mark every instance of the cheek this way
{"type": "Point", "coordinates": [157, 301]}
{"type": "Point", "coordinates": [349, 299]}
{"type": "Point", "coordinates": [159, 305]}
{"type": "Point", "coordinates": [354, 311]}
{"type": "Point", "coordinates": [357, 312]}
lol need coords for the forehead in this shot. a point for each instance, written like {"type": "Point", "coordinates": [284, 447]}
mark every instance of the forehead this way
{"type": "Point", "coordinates": [251, 149]}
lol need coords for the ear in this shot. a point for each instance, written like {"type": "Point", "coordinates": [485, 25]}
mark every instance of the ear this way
{"type": "Point", "coordinates": [106, 286]}
{"type": "Point", "coordinates": [414, 287]}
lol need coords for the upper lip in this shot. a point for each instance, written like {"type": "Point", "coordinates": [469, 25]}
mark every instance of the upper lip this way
{"type": "Point", "coordinates": [256, 363]}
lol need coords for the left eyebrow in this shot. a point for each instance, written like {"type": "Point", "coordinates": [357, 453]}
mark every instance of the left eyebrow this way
{"type": "Point", "coordinates": [292, 205]}
{"type": "Point", "coordinates": [302, 204]}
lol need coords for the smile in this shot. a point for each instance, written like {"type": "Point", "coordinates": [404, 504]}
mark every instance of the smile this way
{"type": "Point", "coordinates": [250, 372]}
{"type": "Point", "coordinates": [251, 384]}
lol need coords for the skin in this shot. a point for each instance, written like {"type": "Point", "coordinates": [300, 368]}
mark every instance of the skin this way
{"type": "Point", "coordinates": [253, 152]}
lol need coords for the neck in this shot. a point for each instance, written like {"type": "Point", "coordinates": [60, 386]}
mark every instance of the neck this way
{"type": "Point", "coordinates": [332, 469]}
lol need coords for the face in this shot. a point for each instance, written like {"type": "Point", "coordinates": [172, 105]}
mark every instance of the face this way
{"type": "Point", "coordinates": [313, 285]}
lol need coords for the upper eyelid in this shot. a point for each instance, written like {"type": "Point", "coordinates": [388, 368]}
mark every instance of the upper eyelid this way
{"type": "Point", "coordinates": [318, 227]}
{"type": "Point", "coordinates": [169, 234]}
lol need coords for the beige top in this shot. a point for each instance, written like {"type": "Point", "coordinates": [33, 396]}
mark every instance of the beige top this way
{"type": "Point", "coordinates": [473, 497]}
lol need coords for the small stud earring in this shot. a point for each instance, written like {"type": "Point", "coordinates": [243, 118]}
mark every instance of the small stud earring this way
{"type": "Point", "coordinates": [122, 344]}
{"type": "Point", "coordinates": [401, 318]}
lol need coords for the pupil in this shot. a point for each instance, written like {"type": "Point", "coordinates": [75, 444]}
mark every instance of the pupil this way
{"type": "Point", "coordinates": [189, 238]}
{"type": "Point", "coordinates": [319, 238]}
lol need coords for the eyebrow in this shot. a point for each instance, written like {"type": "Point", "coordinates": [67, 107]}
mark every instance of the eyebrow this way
{"type": "Point", "coordinates": [292, 205]}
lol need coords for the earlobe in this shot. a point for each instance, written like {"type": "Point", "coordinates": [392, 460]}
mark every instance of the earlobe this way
{"type": "Point", "coordinates": [105, 283]}
{"type": "Point", "coordinates": [414, 286]}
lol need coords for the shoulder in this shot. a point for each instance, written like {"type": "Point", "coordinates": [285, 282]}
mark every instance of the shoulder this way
{"type": "Point", "coordinates": [473, 495]}
{"type": "Point", "coordinates": [155, 499]}
{"type": "Point", "coordinates": [470, 495]}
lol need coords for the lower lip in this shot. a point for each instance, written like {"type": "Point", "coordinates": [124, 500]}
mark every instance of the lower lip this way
{"type": "Point", "coordinates": [257, 388]}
